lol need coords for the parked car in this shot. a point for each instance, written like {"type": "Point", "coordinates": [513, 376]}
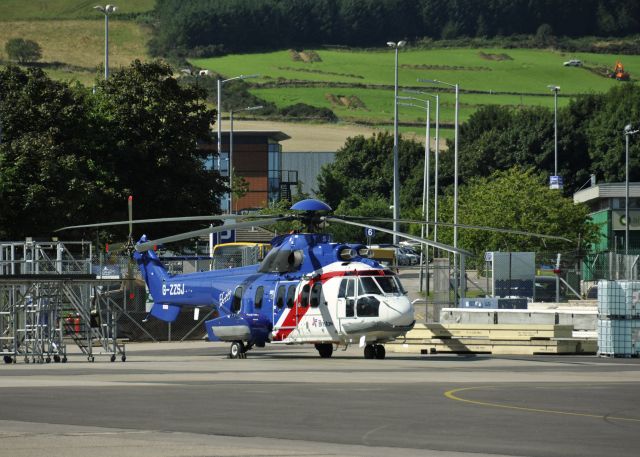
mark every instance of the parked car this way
{"type": "Point", "coordinates": [573, 63]}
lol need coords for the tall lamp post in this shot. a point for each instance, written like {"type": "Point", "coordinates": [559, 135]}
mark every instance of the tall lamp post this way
{"type": "Point", "coordinates": [455, 180]}
{"type": "Point", "coordinates": [106, 10]}
{"type": "Point", "coordinates": [436, 154]}
{"type": "Point", "coordinates": [220, 82]}
{"type": "Point", "coordinates": [424, 230]}
{"type": "Point", "coordinates": [555, 182]}
{"type": "Point", "coordinates": [248, 108]}
{"type": "Point", "coordinates": [396, 173]}
{"type": "Point", "coordinates": [627, 133]}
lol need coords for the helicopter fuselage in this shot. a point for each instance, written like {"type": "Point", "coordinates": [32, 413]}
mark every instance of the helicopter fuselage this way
{"type": "Point", "coordinates": [307, 290]}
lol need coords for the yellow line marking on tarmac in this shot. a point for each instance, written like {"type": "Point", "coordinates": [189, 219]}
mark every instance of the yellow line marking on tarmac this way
{"type": "Point", "coordinates": [451, 394]}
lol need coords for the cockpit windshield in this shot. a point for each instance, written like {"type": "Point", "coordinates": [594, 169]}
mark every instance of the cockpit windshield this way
{"type": "Point", "coordinates": [379, 285]}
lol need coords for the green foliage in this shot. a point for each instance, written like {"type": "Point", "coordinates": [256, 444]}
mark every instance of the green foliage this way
{"type": "Point", "coordinates": [23, 51]}
{"type": "Point", "coordinates": [370, 206]}
{"type": "Point", "coordinates": [69, 157]}
{"type": "Point", "coordinates": [590, 140]}
{"type": "Point", "coordinates": [46, 158]}
{"type": "Point", "coordinates": [241, 25]}
{"type": "Point", "coordinates": [20, 10]}
{"type": "Point", "coordinates": [364, 167]}
{"type": "Point", "coordinates": [148, 126]}
{"type": "Point", "coordinates": [517, 199]}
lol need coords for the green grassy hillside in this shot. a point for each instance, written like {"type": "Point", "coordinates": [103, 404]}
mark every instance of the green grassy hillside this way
{"type": "Point", "coordinates": [28, 10]}
{"type": "Point", "coordinates": [357, 85]}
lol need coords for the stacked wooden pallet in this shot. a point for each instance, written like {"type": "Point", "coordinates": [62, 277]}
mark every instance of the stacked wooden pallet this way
{"type": "Point", "coordinates": [521, 339]}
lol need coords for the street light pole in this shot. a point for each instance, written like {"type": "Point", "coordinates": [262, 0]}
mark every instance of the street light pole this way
{"type": "Point", "coordinates": [106, 10]}
{"type": "Point", "coordinates": [555, 90]}
{"type": "Point", "coordinates": [627, 133]}
{"type": "Point", "coordinates": [424, 229]}
{"type": "Point", "coordinates": [248, 108]}
{"type": "Point", "coordinates": [455, 180]}
{"type": "Point", "coordinates": [220, 82]}
{"type": "Point", "coordinates": [396, 173]}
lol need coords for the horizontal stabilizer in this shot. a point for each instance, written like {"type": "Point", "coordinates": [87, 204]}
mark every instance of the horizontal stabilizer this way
{"type": "Point", "coordinates": [167, 313]}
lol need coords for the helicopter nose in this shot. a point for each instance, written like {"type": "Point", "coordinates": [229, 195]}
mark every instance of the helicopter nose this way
{"type": "Point", "coordinates": [399, 311]}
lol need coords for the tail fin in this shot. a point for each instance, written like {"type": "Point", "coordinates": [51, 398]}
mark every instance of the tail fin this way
{"type": "Point", "coordinates": [155, 274]}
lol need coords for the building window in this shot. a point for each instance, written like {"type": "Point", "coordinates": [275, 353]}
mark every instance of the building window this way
{"type": "Point", "coordinates": [275, 167]}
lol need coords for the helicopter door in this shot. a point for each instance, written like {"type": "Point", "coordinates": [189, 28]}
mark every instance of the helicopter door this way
{"type": "Point", "coordinates": [285, 313]}
{"type": "Point", "coordinates": [347, 300]}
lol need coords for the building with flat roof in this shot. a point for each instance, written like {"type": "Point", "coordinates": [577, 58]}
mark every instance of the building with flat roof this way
{"type": "Point", "coordinates": [257, 158]}
{"type": "Point", "coordinates": [607, 204]}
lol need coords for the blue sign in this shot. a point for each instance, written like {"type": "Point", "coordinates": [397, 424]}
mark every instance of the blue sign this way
{"type": "Point", "coordinates": [369, 232]}
{"type": "Point", "coordinates": [555, 182]}
{"type": "Point", "coordinates": [228, 236]}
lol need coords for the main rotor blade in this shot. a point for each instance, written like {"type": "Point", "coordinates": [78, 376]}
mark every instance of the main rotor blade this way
{"type": "Point", "coordinates": [444, 247]}
{"type": "Point", "coordinates": [165, 219]}
{"type": "Point", "coordinates": [464, 226]}
{"type": "Point", "coordinates": [195, 233]}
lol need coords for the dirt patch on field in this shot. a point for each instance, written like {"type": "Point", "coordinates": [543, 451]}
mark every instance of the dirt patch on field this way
{"type": "Point", "coordinates": [349, 101]}
{"type": "Point", "coordinates": [304, 56]}
{"type": "Point", "coordinates": [497, 57]}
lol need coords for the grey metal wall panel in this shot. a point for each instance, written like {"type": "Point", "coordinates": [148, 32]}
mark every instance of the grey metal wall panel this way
{"type": "Point", "coordinates": [308, 165]}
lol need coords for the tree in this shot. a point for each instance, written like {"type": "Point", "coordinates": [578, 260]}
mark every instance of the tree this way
{"type": "Point", "coordinates": [146, 127]}
{"type": "Point", "coordinates": [364, 167]}
{"type": "Point", "coordinates": [48, 173]}
{"type": "Point", "coordinates": [517, 199]}
{"type": "Point", "coordinates": [22, 50]}
{"type": "Point", "coordinates": [69, 157]}
{"type": "Point", "coordinates": [239, 188]}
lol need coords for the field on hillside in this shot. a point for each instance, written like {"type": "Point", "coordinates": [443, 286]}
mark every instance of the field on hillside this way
{"type": "Point", "coordinates": [79, 43]}
{"type": "Point", "coordinates": [22, 10]}
{"type": "Point", "coordinates": [357, 85]}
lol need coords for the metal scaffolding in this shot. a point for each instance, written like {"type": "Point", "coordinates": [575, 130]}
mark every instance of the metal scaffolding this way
{"type": "Point", "coordinates": [49, 299]}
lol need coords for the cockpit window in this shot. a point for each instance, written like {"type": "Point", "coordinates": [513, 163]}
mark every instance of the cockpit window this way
{"type": "Point", "coordinates": [281, 261]}
{"type": "Point", "coordinates": [368, 286]}
{"type": "Point", "coordinates": [389, 285]}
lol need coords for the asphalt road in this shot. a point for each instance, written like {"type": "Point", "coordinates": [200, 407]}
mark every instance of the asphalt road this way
{"type": "Point", "coordinates": [189, 400]}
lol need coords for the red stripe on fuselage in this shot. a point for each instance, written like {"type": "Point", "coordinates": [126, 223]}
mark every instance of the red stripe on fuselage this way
{"type": "Point", "coordinates": [300, 311]}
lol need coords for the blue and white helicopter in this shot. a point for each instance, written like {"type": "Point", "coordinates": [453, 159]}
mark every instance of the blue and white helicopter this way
{"type": "Point", "coordinates": [307, 290]}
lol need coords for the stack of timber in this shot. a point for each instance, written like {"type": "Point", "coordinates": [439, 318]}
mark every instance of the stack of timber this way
{"type": "Point", "coordinates": [517, 339]}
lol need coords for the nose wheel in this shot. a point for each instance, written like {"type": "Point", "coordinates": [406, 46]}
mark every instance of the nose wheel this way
{"type": "Point", "coordinates": [374, 351]}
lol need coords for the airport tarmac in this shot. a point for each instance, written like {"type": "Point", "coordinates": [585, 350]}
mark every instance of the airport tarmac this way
{"type": "Point", "coordinates": [189, 400]}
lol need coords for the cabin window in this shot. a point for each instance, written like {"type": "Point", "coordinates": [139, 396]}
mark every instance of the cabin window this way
{"type": "Point", "coordinates": [304, 298]}
{"type": "Point", "coordinates": [257, 302]}
{"type": "Point", "coordinates": [291, 296]}
{"type": "Point", "coordinates": [367, 306]}
{"type": "Point", "coordinates": [280, 297]}
{"type": "Point", "coordinates": [347, 291]}
{"type": "Point", "coordinates": [237, 300]}
{"type": "Point", "coordinates": [316, 294]}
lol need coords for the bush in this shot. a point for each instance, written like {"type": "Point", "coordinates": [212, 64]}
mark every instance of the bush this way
{"type": "Point", "coordinates": [23, 50]}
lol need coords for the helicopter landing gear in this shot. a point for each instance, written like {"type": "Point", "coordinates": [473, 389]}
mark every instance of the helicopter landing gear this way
{"type": "Point", "coordinates": [325, 350]}
{"type": "Point", "coordinates": [237, 350]}
{"type": "Point", "coordinates": [374, 351]}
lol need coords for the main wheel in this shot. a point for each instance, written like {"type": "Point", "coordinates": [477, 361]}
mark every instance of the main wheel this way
{"type": "Point", "coordinates": [380, 351]}
{"type": "Point", "coordinates": [236, 350]}
{"type": "Point", "coordinates": [369, 351]}
{"type": "Point", "coordinates": [325, 350]}
{"type": "Point", "coordinates": [113, 358]}
{"type": "Point", "coordinates": [56, 358]}
{"type": "Point", "coordinates": [8, 359]}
